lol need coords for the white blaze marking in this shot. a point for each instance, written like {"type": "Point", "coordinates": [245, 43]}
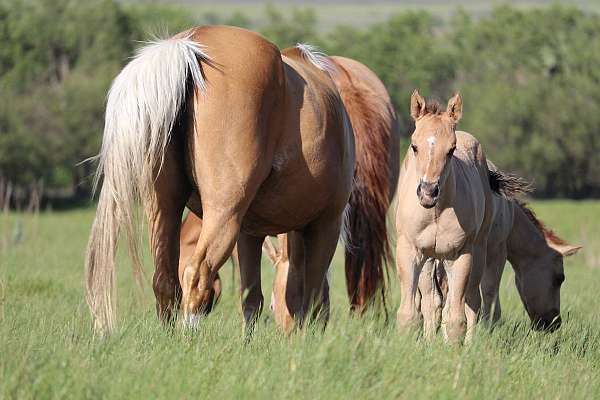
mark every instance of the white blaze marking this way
{"type": "Point", "coordinates": [431, 142]}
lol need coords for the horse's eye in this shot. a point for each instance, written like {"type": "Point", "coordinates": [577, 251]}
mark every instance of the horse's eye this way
{"type": "Point", "coordinates": [413, 147]}
{"type": "Point", "coordinates": [451, 151]}
{"type": "Point", "coordinates": [560, 278]}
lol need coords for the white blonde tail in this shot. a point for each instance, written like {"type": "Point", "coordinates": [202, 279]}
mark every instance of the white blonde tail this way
{"type": "Point", "coordinates": [143, 104]}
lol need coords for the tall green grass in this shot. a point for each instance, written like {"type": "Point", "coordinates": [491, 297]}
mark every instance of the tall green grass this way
{"type": "Point", "coordinates": [47, 349]}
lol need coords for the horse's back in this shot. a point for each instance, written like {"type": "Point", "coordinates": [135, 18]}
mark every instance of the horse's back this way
{"type": "Point", "coordinates": [314, 154]}
{"type": "Point", "coordinates": [372, 114]}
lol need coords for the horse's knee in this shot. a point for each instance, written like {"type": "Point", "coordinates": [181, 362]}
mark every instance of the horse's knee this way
{"type": "Point", "coordinates": [407, 319]}
{"type": "Point", "coordinates": [454, 323]}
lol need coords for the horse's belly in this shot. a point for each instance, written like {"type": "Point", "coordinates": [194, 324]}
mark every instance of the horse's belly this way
{"type": "Point", "coordinates": [295, 194]}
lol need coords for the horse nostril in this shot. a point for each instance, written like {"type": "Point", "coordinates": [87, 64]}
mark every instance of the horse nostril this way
{"type": "Point", "coordinates": [435, 191]}
{"type": "Point", "coordinates": [419, 190]}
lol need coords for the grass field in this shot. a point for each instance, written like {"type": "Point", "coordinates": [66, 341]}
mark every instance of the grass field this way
{"type": "Point", "coordinates": [47, 350]}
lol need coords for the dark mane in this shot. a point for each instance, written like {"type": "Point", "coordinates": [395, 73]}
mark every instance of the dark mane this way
{"type": "Point", "coordinates": [511, 187]}
{"type": "Point", "coordinates": [506, 184]}
{"type": "Point", "coordinates": [549, 234]}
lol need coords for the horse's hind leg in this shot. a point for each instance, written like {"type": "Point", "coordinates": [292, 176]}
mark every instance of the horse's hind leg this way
{"type": "Point", "coordinates": [320, 240]}
{"type": "Point", "coordinates": [164, 210]}
{"type": "Point", "coordinates": [250, 250]}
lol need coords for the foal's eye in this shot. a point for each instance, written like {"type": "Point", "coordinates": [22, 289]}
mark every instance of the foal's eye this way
{"type": "Point", "coordinates": [559, 279]}
{"type": "Point", "coordinates": [413, 147]}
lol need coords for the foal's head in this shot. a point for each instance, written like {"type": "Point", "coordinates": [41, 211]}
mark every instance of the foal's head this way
{"type": "Point", "coordinates": [433, 143]}
{"type": "Point", "coordinates": [540, 281]}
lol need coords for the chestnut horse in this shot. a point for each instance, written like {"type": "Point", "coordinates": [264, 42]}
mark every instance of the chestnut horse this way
{"type": "Point", "coordinates": [377, 138]}
{"type": "Point", "coordinates": [255, 141]}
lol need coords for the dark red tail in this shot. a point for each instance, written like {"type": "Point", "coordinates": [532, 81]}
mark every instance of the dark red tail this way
{"type": "Point", "coordinates": [368, 249]}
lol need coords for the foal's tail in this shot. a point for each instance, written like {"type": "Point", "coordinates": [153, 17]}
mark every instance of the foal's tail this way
{"type": "Point", "coordinates": [367, 243]}
{"type": "Point", "coordinates": [143, 104]}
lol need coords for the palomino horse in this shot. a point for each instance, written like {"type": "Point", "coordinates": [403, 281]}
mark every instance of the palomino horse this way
{"type": "Point", "coordinates": [253, 140]}
{"type": "Point", "coordinates": [443, 213]}
{"type": "Point", "coordinates": [377, 140]}
{"type": "Point", "coordinates": [534, 251]}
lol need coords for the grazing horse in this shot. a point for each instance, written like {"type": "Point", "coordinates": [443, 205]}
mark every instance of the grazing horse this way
{"type": "Point", "coordinates": [377, 138]}
{"type": "Point", "coordinates": [535, 252]}
{"type": "Point", "coordinates": [254, 141]}
{"type": "Point", "coordinates": [443, 213]}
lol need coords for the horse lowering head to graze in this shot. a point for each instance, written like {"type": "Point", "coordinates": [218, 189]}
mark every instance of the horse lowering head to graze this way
{"type": "Point", "coordinates": [254, 141]}
{"type": "Point", "coordinates": [536, 254]}
{"type": "Point", "coordinates": [433, 143]}
{"type": "Point", "coordinates": [377, 138]}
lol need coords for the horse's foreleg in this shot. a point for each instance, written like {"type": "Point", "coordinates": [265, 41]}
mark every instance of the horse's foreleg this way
{"type": "Point", "coordinates": [473, 295]}
{"type": "Point", "coordinates": [164, 210]}
{"type": "Point", "coordinates": [408, 266]}
{"type": "Point", "coordinates": [218, 236]}
{"type": "Point", "coordinates": [453, 314]}
{"type": "Point", "coordinates": [490, 283]}
{"type": "Point", "coordinates": [249, 250]}
{"type": "Point", "coordinates": [190, 233]}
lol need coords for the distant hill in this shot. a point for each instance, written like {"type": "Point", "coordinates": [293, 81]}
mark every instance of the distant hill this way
{"type": "Point", "coordinates": [357, 12]}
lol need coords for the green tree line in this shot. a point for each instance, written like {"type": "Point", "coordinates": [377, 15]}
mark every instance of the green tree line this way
{"type": "Point", "coordinates": [529, 80]}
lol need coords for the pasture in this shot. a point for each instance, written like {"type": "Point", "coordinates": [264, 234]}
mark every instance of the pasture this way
{"type": "Point", "coordinates": [47, 349]}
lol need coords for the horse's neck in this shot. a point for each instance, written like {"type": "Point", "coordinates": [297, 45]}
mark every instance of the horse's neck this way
{"type": "Point", "coordinates": [448, 191]}
{"type": "Point", "coordinates": [525, 242]}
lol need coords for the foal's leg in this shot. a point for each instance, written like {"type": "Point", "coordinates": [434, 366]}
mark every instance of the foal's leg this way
{"type": "Point", "coordinates": [250, 250]}
{"type": "Point", "coordinates": [431, 300]}
{"type": "Point", "coordinates": [490, 283]}
{"type": "Point", "coordinates": [473, 295]}
{"type": "Point", "coordinates": [320, 240]}
{"type": "Point", "coordinates": [408, 266]}
{"type": "Point", "coordinates": [164, 210]}
{"type": "Point", "coordinates": [453, 314]}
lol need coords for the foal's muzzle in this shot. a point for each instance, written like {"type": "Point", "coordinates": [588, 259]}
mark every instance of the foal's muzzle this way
{"type": "Point", "coordinates": [428, 193]}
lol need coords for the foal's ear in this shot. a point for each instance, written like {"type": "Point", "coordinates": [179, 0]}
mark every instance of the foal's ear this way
{"type": "Point", "coordinates": [454, 109]}
{"type": "Point", "coordinates": [417, 105]}
{"type": "Point", "coordinates": [565, 249]}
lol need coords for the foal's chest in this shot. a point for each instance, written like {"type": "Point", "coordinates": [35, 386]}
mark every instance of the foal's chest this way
{"type": "Point", "coordinates": [444, 237]}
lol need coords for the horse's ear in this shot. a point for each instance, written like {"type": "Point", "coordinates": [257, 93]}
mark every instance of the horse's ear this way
{"type": "Point", "coordinates": [565, 249]}
{"type": "Point", "coordinates": [454, 109]}
{"type": "Point", "coordinates": [417, 105]}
